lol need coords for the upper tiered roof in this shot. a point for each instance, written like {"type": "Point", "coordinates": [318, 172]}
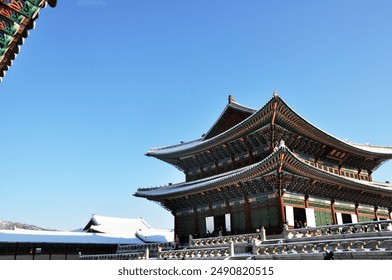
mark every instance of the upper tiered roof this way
{"type": "Point", "coordinates": [17, 17]}
{"type": "Point", "coordinates": [276, 121]}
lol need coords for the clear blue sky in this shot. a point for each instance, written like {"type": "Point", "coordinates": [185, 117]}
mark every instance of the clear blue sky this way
{"type": "Point", "coordinates": [99, 82]}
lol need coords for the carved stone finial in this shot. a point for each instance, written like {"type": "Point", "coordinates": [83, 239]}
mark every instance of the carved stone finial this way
{"type": "Point", "coordinates": [275, 94]}
{"type": "Point", "coordinates": [231, 99]}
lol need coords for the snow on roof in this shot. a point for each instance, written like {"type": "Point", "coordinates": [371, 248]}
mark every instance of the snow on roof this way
{"type": "Point", "coordinates": [175, 148]}
{"type": "Point", "coordinates": [123, 227]}
{"type": "Point", "coordinates": [126, 227]}
{"type": "Point", "coordinates": [106, 230]}
{"type": "Point", "coordinates": [155, 235]}
{"type": "Point", "coordinates": [373, 149]}
{"type": "Point", "coordinates": [35, 236]}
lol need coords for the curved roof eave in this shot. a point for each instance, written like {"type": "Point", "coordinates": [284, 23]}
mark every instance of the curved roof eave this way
{"type": "Point", "coordinates": [251, 172]}
{"type": "Point", "coordinates": [311, 131]}
{"type": "Point", "coordinates": [199, 144]}
{"type": "Point", "coordinates": [16, 21]}
{"type": "Point", "coordinates": [366, 150]}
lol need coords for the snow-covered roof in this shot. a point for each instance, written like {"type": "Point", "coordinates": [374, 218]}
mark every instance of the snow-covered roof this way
{"type": "Point", "coordinates": [99, 230]}
{"type": "Point", "coordinates": [36, 236]}
{"type": "Point", "coordinates": [115, 226]}
{"type": "Point", "coordinates": [126, 227]}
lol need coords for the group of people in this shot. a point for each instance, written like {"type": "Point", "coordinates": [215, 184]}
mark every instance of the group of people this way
{"type": "Point", "coordinates": [300, 224]}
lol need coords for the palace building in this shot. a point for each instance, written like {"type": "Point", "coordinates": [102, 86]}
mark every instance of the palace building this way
{"type": "Point", "coordinates": [267, 168]}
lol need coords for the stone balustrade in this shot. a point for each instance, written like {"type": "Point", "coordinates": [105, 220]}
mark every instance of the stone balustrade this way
{"type": "Point", "coordinates": [367, 238]}
{"type": "Point", "coordinates": [126, 256]}
{"type": "Point", "coordinates": [225, 240]}
{"type": "Point", "coordinates": [212, 253]}
{"type": "Point", "coordinates": [143, 247]}
{"type": "Point", "coordinates": [338, 245]}
{"type": "Point", "coordinates": [375, 227]}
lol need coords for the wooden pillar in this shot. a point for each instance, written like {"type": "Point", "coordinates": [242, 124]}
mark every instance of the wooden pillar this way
{"type": "Point", "coordinates": [333, 212]}
{"type": "Point", "coordinates": [174, 213]}
{"type": "Point", "coordinates": [281, 217]}
{"type": "Point", "coordinates": [16, 250]}
{"type": "Point", "coordinates": [196, 223]}
{"type": "Point", "coordinates": [359, 174]}
{"type": "Point", "coordinates": [33, 252]}
{"type": "Point", "coordinates": [248, 216]}
{"type": "Point", "coordinates": [357, 211]}
{"type": "Point", "coordinates": [306, 201]}
{"type": "Point", "coordinates": [375, 213]}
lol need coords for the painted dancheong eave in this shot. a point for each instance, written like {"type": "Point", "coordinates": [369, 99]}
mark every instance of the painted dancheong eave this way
{"type": "Point", "coordinates": [17, 17]}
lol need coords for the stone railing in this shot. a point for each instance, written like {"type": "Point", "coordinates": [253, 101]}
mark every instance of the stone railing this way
{"type": "Point", "coordinates": [208, 253]}
{"type": "Point", "coordinates": [225, 240]}
{"type": "Point", "coordinates": [371, 245]}
{"type": "Point", "coordinates": [363, 228]}
{"type": "Point", "coordinates": [143, 247]}
{"type": "Point", "coordinates": [125, 256]}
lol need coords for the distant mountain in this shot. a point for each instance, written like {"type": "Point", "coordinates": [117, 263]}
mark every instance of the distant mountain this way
{"type": "Point", "coordinates": [12, 225]}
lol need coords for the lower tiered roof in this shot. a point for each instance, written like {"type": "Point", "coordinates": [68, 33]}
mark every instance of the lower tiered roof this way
{"type": "Point", "coordinates": [282, 168]}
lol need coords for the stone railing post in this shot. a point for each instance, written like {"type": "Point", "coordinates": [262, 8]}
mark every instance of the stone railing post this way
{"type": "Point", "coordinates": [285, 231]}
{"type": "Point", "coordinates": [231, 251]}
{"type": "Point", "coordinates": [263, 234]}
{"type": "Point", "coordinates": [147, 253]}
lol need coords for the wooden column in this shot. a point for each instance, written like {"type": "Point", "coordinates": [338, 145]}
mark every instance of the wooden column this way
{"type": "Point", "coordinates": [248, 216]}
{"type": "Point", "coordinates": [16, 250]}
{"type": "Point", "coordinates": [375, 213]}
{"type": "Point", "coordinates": [281, 217]}
{"type": "Point", "coordinates": [333, 212]}
{"type": "Point", "coordinates": [196, 222]}
{"type": "Point", "coordinates": [357, 211]}
{"type": "Point", "coordinates": [306, 201]}
{"type": "Point", "coordinates": [174, 213]}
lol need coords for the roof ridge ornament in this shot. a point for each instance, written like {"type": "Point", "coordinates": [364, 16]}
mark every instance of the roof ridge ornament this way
{"type": "Point", "coordinates": [275, 93]}
{"type": "Point", "coordinates": [231, 99]}
{"type": "Point", "coordinates": [282, 144]}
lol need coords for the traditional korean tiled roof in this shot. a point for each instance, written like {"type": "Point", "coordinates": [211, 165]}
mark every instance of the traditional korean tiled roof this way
{"type": "Point", "coordinates": [282, 159]}
{"type": "Point", "coordinates": [233, 114]}
{"type": "Point", "coordinates": [99, 230]}
{"type": "Point", "coordinates": [126, 227]}
{"type": "Point", "coordinates": [17, 17]}
{"type": "Point", "coordinates": [35, 236]}
{"type": "Point", "coordinates": [277, 113]}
